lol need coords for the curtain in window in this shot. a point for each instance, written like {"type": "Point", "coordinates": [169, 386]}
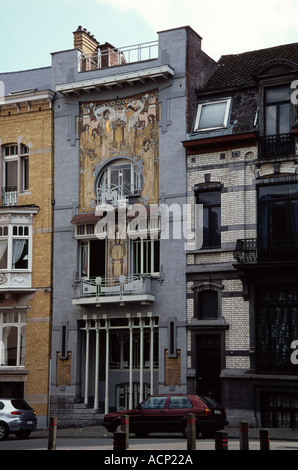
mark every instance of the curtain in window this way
{"type": "Point", "coordinates": [3, 254]}
{"type": "Point", "coordinates": [18, 248]}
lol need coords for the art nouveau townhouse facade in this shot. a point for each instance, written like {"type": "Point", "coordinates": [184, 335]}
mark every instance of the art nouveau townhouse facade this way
{"type": "Point", "coordinates": [242, 285]}
{"type": "Point", "coordinates": [26, 175]}
{"type": "Point", "coordinates": [119, 288]}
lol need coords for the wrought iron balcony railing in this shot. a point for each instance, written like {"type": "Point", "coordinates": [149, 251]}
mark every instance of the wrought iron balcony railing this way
{"type": "Point", "coordinates": [260, 250]}
{"type": "Point", "coordinates": [114, 288]}
{"type": "Point", "coordinates": [277, 145]}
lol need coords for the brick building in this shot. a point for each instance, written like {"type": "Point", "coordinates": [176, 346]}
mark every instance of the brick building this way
{"type": "Point", "coordinates": [242, 285]}
{"type": "Point", "coordinates": [26, 174]}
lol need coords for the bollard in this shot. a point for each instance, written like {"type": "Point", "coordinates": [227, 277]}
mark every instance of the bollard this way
{"type": "Point", "coordinates": [120, 440]}
{"type": "Point", "coordinates": [264, 439]}
{"type": "Point", "coordinates": [221, 440]}
{"type": "Point", "coordinates": [125, 428]}
{"type": "Point", "coordinates": [191, 431]}
{"type": "Point", "coordinates": [244, 444]}
{"type": "Point", "coordinates": [52, 433]}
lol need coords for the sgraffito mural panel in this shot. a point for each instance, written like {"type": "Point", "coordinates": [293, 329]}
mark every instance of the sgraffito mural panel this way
{"type": "Point", "coordinates": [118, 129]}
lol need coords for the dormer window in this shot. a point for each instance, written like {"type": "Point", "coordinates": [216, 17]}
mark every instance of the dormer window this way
{"type": "Point", "coordinates": [118, 181]}
{"type": "Point", "coordinates": [212, 115]}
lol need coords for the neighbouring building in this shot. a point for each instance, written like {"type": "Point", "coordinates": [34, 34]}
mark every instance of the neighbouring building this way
{"type": "Point", "coordinates": [119, 303]}
{"type": "Point", "coordinates": [26, 226]}
{"type": "Point", "coordinates": [242, 285]}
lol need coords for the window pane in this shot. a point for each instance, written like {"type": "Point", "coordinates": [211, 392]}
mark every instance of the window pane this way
{"type": "Point", "coordinates": [3, 254]}
{"type": "Point", "coordinates": [208, 304]}
{"type": "Point", "coordinates": [271, 120]}
{"type": "Point", "coordinates": [11, 174]}
{"type": "Point", "coordinates": [284, 119]}
{"type": "Point", "coordinates": [212, 115]}
{"type": "Point", "coordinates": [274, 95]}
{"type": "Point", "coordinates": [20, 254]}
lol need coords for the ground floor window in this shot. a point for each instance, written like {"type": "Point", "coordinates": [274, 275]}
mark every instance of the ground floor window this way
{"type": "Point", "coordinates": [12, 339]}
{"type": "Point", "coordinates": [279, 409]}
{"type": "Point", "coordinates": [277, 327]}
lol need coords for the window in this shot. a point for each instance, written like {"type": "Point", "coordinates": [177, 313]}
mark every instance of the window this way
{"type": "Point", "coordinates": [278, 220]}
{"type": "Point", "coordinates": [212, 115]}
{"type": "Point", "coordinates": [277, 110]}
{"type": "Point", "coordinates": [211, 201]}
{"type": "Point", "coordinates": [15, 170]}
{"type": "Point", "coordinates": [15, 247]}
{"type": "Point", "coordinates": [277, 326]}
{"type": "Point", "coordinates": [145, 256]}
{"type": "Point", "coordinates": [154, 403]}
{"type": "Point", "coordinates": [176, 403]}
{"type": "Point", "coordinates": [207, 304]}
{"type": "Point", "coordinates": [12, 339]}
{"type": "Point", "coordinates": [119, 180]}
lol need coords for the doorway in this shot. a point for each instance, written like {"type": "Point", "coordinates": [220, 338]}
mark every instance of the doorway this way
{"type": "Point", "coordinates": [208, 355]}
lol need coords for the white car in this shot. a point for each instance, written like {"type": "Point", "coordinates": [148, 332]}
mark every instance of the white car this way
{"type": "Point", "coordinates": [16, 417]}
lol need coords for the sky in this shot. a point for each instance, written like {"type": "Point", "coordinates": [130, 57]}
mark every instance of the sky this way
{"type": "Point", "coordinates": [32, 29]}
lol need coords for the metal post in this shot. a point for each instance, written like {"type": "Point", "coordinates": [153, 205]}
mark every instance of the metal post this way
{"type": "Point", "coordinates": [264, 439]}
{"type": "Point", "coordinates": [52, 433]}
{"type": "Point", "coordinates": [130, 361]}
{"type": "Point", "coordinates": [191, 431]}
{"type": "Point", "coordinates": [120, 440]}
{"type": "Point", "coordinates": [244, 444]}
{"type": "Point", "coordinates": [221, 440]}
{"type": "Point", "coordinates": [125, 428]}
{"type": "Point", "coordinates": [87, 363]}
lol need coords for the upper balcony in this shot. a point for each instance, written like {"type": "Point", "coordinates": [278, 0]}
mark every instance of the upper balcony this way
{"type": "Point", "coordinates": [265, 250]}
{"type": "Point", "coordinates": [112, 290]}
{"type": "Point", "coordinates": [109, 56]}
{"type": "Point", "coordinates": [278, 145]}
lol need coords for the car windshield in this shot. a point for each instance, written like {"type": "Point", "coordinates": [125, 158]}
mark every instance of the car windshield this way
{"type": "Point", "coordinates": [210, 401]}
{"type": "Point", "coordinates": [20, 405]}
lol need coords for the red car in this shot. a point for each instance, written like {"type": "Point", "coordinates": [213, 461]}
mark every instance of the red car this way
{"type": "Point", "coordinates": [168, 413]}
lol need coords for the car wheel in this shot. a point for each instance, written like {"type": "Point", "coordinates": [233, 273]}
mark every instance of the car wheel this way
{"type": "Point", "coordinates": [4, 431]}
{"type": "Point", "coordinates": [23, 434]}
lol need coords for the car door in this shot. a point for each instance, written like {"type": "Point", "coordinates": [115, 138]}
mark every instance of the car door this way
{"type": "Point", "coordinates": [178, 407]}
{"type": "Point", "coordinates": [152, 415]}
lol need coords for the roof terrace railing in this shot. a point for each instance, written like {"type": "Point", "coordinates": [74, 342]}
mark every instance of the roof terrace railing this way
{"type": "Point", "coordinates": [107, 56]}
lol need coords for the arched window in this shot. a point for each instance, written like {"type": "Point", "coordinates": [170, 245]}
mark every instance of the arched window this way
{"type": "Point", "coordinates": [207, 301]}
{"type": "Point", "coordinates": [120, 179]}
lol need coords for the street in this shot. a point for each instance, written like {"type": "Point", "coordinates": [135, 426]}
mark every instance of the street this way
{"type": "Point", "coordinates": [171, 444]}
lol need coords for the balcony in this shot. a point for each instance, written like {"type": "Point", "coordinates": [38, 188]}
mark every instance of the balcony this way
{"type": "Point", "coordinates": [108, 56]}
{"type": "Point", "coordinates": [277, 361]}
{"type": "Point", "coordinates": [277, 145]}
{"type": "Point", "coordinates": [9, 196]}
{"type": "Point", "coordinates": [112, 290]}
{"type": "Point", "coordinates": [266, 250]}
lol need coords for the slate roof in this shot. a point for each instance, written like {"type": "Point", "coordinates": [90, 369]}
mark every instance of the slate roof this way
{"type": "Point", "coordinates": [238, 70]}
{"type": "Point", "coordinates": [37, 79]}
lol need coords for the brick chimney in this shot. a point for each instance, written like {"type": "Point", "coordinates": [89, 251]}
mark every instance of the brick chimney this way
{"type": "Point", "coordinates": [85, 41]}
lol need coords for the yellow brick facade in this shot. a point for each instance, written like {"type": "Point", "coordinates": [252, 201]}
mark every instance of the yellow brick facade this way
{"type": "Point", "coordinates": [32, 125]}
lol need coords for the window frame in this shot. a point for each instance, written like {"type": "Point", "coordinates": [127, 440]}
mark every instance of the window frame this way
{"type": "Point", "coordinates": [208, 245]}
{"type": "Point", "coordinates": [224, 124]}
{"type": "Point", "coordinates": [20, 324]}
